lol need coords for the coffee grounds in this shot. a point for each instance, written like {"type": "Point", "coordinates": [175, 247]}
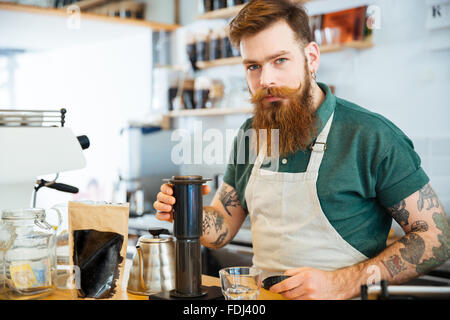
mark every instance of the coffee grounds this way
{"type": "Point", "coordinates": [97, 254]}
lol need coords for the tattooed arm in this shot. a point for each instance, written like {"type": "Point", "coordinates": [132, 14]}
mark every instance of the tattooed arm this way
{"type": "Point", "coordinates": [222, 220]}
{"type": "Point", "coordinates": [426, 243]}
{"type": "Point", "coordinates": [424, 247]}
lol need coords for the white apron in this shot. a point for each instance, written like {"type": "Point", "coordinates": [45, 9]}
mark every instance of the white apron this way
{"type": "Point", "coordinates": [289, 228]}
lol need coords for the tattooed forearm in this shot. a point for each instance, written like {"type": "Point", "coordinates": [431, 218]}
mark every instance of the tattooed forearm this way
{"type": "Point", "coordinates": [399, 213]}
{"type": "Point", "coordinates": [427, 195]}
{"type": "Point", "coordinates": [414, 248]}
{"type": "Point", "coordinates": [228, 198]}
{"type": "Point", "coordinates": [412, 252]}
{"type": "Point", "coordinates": [214, 229]}
{"type": "Point", "coordinates": [441, 253]}
{"type": "Point", "coordinates": [426, 243]}
{"type": "Point", "coordinates": [419, 226]}
{"type": "Point", "coordinates": [394, 265]}
{"type": "Point", "coordinates": [220, 238]}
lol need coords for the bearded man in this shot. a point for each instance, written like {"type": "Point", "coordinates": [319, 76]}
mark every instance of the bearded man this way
{"type": "Point", "coordinates": [322, 216]}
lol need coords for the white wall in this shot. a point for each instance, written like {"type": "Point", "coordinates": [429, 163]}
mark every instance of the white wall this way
{"type": "Point", "coordinates": [102, 86]}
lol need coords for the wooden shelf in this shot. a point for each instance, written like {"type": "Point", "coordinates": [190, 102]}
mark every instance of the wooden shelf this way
{"type": "Point", "coordinates": [222, 13]}
{"type": "Point", "coordinates": [86, 4]}
{"type": "Point", "coordinates": [166, 123]}
{"type": "Point", "coordinates": [209, 112]}
{"type": "Point", "coordinates": [218, 62]}
{"type": "Point", "coordinates": [359, 45]}
{"type": "Point", "coordinates": [91, 16]}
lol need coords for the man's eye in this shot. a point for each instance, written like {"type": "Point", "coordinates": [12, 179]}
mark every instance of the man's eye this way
{"type": "Point", "coordinates": [280, 60]}
{"type": "Point", "coordinates": [253, 67]}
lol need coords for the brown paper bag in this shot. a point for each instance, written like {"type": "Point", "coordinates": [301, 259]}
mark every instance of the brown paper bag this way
{"type": "Point", "coordinates": [98, 234]}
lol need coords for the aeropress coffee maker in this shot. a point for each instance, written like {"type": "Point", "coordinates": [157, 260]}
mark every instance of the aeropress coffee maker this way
{"type": "Point", "coordinates": [187, 228]}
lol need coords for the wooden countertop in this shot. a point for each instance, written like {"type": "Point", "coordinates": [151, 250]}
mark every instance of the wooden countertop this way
{"type": "Point", "coordinates": [206, 281]}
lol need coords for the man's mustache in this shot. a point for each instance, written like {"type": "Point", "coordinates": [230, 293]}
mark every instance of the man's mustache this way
{"type": "Point", "coordinates": [278, 92]}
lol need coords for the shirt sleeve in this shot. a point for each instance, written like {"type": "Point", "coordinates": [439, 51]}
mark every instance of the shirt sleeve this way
{"type": "Point", "coordinates": [399, 173]}
{"type": "Point", "coordinates": [230, 170]}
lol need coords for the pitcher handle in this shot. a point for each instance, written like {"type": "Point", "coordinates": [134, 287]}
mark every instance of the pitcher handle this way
{"type": "Point", "coordinates": [141, 268]}
{"type": "Point", "coordinates": [59, 217]}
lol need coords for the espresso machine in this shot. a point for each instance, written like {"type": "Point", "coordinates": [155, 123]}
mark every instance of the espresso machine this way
{"type": "Point", "coordinates": [187, 228]}
{"type": "Point", "coordinates": [35, 143]}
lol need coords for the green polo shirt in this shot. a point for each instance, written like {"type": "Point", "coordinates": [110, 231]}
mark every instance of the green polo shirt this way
{"type": "Point", "coordinates": [369, 165]}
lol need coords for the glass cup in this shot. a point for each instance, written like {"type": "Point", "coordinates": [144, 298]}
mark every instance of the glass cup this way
{"type": "Point", "coordinates": [240, 283]}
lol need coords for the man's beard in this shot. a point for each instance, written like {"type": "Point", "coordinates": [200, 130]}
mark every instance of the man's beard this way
{"type": "Point", "coordinates": [294, 118]}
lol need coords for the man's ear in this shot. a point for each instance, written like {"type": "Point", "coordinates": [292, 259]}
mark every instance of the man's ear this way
{"type": "Point", "coordinates": [312, 54]}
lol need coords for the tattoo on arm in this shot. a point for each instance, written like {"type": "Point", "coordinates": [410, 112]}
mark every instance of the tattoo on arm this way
{"type": "Point", "coordinates": [399, 213]}
{"type": "Point", "coordinates": [441, 253]}
{"type": "Point", "coordinates": [213, 223]}
{"type": "Point", "coordinates": [414, 248]}
{"type": "Point", "coordinates": [427, 195]}
{"type": "Point", "coordinates": [412, 252]}
{"type": "Point", "coordinates": [417, 251]}
{"type": "Point", "coordinates": [228, 198]}
{"type": "Point", "coordinates": [220, 238]}
{"type": "Point", "coordinates": [394, 265]}
{"type": "Point", "coordinates": [419, 226]}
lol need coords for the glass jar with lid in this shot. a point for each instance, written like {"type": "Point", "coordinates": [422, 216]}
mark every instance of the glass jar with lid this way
{"type": "Point", "coordinates": [27, 254]}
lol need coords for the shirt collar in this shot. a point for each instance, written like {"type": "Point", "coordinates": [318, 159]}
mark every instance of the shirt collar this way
{"type": "Point", "coordinates": [326, 108]}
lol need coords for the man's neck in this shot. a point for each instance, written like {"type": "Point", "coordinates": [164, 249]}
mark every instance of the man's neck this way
{"type": "Point", "coordinates": [318, 95]}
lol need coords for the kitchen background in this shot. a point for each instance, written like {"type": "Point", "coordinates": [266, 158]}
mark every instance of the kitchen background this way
{"type": "Point", "coordinates": [114, 65]}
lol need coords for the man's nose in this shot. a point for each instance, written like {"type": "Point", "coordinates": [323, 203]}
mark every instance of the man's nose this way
{"type": "Point", "coordinates": [267, 78]}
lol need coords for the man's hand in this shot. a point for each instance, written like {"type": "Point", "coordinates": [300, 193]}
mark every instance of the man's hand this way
{"type": "Point", "coordinates": [166, 200]}
{"type": "Point", "coordinates": [309, 284]}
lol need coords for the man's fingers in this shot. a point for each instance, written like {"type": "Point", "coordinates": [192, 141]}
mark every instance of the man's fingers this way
{"type": "Point", "coordinates": [206, 189]}
{"type": "Point", "coordinates": [167, 189]}
{"type": "Point", "coordinates": [166, 199]}
{"type": "Point", "coordinates": [292, 272]}
{"type": "Point", "coordinates": [165, 216]}
{"type": "Point", "coordinates": [298, 293]}
{"type": "Point", "coordinates": [159, 206]}
{"type": "Point", "coordinates": [286, 285]}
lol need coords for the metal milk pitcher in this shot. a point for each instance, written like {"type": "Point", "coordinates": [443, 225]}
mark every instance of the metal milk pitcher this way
{"type": "Point", "coordinates": [153, 268]}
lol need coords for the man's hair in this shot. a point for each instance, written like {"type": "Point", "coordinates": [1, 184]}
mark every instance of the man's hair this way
{"type": "Point", "coordinates": [258, 15]}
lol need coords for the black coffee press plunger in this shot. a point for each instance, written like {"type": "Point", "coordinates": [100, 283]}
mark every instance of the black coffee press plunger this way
{"type": "Point", "coordinates": [187, 228]}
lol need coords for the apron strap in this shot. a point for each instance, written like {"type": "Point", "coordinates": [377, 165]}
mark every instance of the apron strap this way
{"type": "Point", "coordinates": [260, 158]}
{"type": "Point", "coordinates": [319, 147]}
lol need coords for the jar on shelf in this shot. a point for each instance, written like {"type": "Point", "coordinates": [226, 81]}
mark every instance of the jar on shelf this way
{"type": "Point", "coordinates": [205, 6]}
{"type": "Point", "coordinates": [225, 45]}
{"type": "Point", "coordinates": [191, 50]}
{"type": "Point", "coordinates": [228, 50]}
{"type": "Point", "coordinates": [232, 3]}
{"type": "Point", "coordinates": [215, 45]}
{"type": "Point", "coordinates": [201, 92]}
{"type": "Point", "coordinates": [188, 94]}
{"type": "Point", "coordinates": [28, 262]}
{"type": "Point", "coordinates": [219, 4]}
{"type": "Point", "coordinates": [201, 46]}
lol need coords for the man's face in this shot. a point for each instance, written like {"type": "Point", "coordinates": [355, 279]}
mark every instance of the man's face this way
{"type": "Point", "coordinates": [281, 86]}
{"type": "Point", "coordinates": [273, 58]}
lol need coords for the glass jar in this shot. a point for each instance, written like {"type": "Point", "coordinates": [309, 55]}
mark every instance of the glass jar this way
{"type": "Point", "coordinates": [28, 261]}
